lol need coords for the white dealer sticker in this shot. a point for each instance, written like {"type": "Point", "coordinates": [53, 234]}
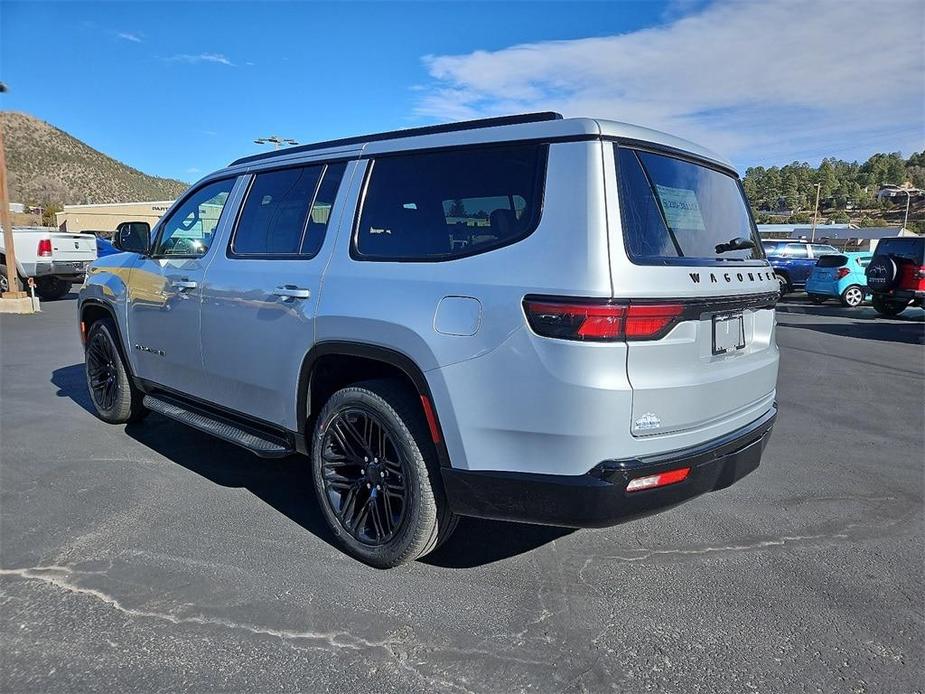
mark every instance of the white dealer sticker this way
{"type": "Point", "coordinates": [682, 211]}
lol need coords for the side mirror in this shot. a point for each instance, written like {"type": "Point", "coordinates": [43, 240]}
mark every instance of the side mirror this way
{"type": "Point", "coordinates": [134, 237]}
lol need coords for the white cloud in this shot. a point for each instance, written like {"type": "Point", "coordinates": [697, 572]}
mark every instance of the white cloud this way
{"type": "Point", "coordinates": [128, 36]}
{"type": "Point", "coordinates": [201, 58]}
{"type": "Point", "coordinates": [763, 82]}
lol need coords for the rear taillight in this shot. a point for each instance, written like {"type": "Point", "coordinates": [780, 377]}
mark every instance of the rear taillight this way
{"type": "Point", "coordinates": [44, 248]}
{"type": "Point", "coordinates": [659, 480]}
{"type": "Point", "coordinates": [600, 321]}
{"type": "Point", "coordinates": [842, 272]}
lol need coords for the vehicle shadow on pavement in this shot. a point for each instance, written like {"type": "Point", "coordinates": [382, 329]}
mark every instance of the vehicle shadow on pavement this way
{"type": "Point", "coordinates": [286, 484]}
{"type": "Point", "coordinates": [911, 332]}
{"type": "Point", "coordinates": [478, 541]}
{"type": "Point", "coordinates": [862, 313]}
{"type": "Point", "coordinates": [72, 383]}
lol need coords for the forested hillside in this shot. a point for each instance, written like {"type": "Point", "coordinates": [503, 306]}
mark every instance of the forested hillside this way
{"type": "Point", "coordinates": [848, 191]}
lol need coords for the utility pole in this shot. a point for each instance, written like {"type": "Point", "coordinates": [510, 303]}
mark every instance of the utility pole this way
{"type": "Point", "coordinates": [275, 140]}
{"type": "Point", "coordinates": [816, 212]}
{"type": "Point", "coordinates": [13, 290]}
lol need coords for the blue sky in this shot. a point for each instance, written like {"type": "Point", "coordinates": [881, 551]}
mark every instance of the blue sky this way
{"type": "Point", "coordinates": [180, 89]}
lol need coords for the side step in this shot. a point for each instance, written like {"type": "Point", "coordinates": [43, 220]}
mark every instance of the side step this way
{"type": "Point", "coordinates": [263, 445]}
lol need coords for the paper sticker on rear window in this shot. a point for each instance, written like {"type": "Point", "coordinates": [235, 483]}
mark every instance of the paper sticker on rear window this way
{"type": "Point", "coordinates": [681, 208]}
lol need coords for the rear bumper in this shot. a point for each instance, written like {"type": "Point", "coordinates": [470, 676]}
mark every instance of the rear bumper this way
{"type": "Point", "coordinates": [903, 295]}
{"type": "Point", "coordinates": [598, 498]}
{"type": "Point", "coordinates": [74, 270]}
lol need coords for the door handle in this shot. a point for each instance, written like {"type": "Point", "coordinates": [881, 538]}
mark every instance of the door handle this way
{"type": "Point", "coordinates": [184, 284]}
{"type": "Point", "coordinates": [290, 292]}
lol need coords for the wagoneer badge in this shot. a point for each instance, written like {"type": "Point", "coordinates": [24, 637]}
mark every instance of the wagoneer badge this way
{"type": "Point", "coordinates": [647, 422]}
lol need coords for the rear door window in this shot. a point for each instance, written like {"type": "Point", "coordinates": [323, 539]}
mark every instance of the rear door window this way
{"type": "Point", "coordinates": [795, 250]}
{"type": "Point", "coordinates": [819, 250]}
{"type": "Point", "coordinates": [675, 209]}
{"type": "Point", "coordinates": [286, 212]}
{"type": "Point", "coordinates": [431, 206]}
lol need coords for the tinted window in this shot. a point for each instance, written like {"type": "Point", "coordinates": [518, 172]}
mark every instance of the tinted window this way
{"type": "Point", "coordinates": [795, 250]}
{"type": "Point", "coordinates": [439, 205]}
{"type": "Point", "coordinates": [188, 231]}
{"type": "Point", "coordinates": [677, 209]}
{"type": "Point", "coordinates": [904, 248]}
{"type": "Point", "coordinates": [321, 208]}
{"type": "Point", "coordinates": [832, 261]}
{"type": "Point", "coordinates": [274, 215]}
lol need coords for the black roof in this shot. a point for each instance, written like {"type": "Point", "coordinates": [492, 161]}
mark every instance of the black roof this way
{"type": "Point", "coordinates": [408, 132]}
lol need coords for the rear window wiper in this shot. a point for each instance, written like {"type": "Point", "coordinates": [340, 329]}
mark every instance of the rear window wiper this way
{"type": "Point", "coordinates": [736, 244]}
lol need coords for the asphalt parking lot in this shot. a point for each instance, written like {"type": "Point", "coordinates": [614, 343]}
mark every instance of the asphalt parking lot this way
{"type": "Point", "coordinates": [154, 558]}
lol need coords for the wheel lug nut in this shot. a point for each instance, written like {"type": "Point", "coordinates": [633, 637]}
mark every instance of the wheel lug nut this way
{"type": "Point", "coordinates": [382, 474]}
{"type": "Point", "coordinates": [375, 460]}
{"type": "Point", "coordinates": [365, 459]}
{"type": "Point", "coordinates": [367, 485]}
{"type": "Point", "coordinates": [378, 487]}
{"type": "Point", "coordinates": [363, 471]}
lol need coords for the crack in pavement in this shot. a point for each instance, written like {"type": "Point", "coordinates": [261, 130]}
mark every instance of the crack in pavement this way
{"type": "Point", "coordinates": [56, 575]}
{"type": "Point", "coordinates": [647, 553]}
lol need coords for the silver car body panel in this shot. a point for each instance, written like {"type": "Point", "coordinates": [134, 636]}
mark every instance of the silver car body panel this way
{"type": "Point", "coordinates": [506, 398]}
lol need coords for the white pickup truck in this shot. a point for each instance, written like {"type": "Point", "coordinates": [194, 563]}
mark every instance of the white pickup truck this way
{"type": "Point", "coordinates": [55, 259]}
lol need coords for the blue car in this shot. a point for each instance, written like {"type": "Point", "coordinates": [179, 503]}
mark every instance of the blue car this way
{"type": "Point", "coordinates": [794, 261]}
{"type": "Point", "coordinates": [840, 276]}
{"type": "Point", "coordinates": [104, 248]}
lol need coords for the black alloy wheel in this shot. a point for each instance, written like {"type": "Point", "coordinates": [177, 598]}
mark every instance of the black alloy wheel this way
{"type": "Point", "coordinates": [364, 477]}
{"type": "Point", "coordinates": [102, 375]}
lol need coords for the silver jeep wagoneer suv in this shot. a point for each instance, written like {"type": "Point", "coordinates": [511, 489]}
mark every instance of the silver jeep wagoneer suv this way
{"type": "Point", "coordinates": [560, 321]}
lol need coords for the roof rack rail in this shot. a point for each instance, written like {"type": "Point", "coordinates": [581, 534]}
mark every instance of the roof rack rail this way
{"type": "Point", "coordinates": [408, 132]}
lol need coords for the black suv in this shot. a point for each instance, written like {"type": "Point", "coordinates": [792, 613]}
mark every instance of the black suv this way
{"type": "Point", "coordinates": [896, 275]}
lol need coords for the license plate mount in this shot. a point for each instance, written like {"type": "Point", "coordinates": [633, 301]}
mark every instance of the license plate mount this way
{"type": "Point", "coordinates": [728, 333]}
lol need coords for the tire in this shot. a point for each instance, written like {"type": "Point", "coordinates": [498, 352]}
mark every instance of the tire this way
{"type": "Point", "coordinates": [817, 299]}
{"type": "Point", "coordinates": [852, 296]}
{"type": "Point", "coordinates": [784, 284]}
{"type": "Point", "coordinates": [114, 397]}
{"type": "Point", "coordinates": [4, 283]}
{"type": "Point", "coordinates": [882, 273]}
{"type": "Point", "coordinates": [887, 308]}
{"type": "Point", "coordinates": [372, 452]}
{"type": "Point", "coordinates": [50, 288]}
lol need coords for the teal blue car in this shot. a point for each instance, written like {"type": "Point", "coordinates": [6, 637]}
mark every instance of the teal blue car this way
{"type": "Point", "coordinates": [840, 276]}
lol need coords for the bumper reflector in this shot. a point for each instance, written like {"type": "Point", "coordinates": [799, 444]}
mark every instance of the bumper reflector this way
{"type": "Point", "coordinates": [659, 480]}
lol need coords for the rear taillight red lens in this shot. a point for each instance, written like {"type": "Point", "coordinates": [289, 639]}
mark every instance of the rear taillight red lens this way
{"type": "Point", "coordinates": [44, 248]}
{"type": "Point", "coordinates": [645, 321]}
{"type": "Point", "coordinates": [576, 321]}
{"type": "Point", "coordinates": [602, 322]}
{"type": "Point", "coordinates": [842, 272]}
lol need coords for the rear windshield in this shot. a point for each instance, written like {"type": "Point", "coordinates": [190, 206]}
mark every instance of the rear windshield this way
{"type": "Point", "coordinates": [903, 248]}
{"type": "Point", "coordinates": [674, 209]}
{"type": "Point", "coordinates": [832, 261]}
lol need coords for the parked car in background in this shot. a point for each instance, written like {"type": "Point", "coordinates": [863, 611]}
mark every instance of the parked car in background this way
{"type": "Point", "coordinates": [840, 276]}
{"type": "Point", "coordinates": [794, 261]}
{"type": "Point", "coordinates": [54, 259]}
{"type": "Point", "coordinates": [896, 274]}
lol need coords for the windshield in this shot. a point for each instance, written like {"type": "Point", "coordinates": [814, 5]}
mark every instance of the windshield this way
{"type": "Point", "coordinates": [675, 209]}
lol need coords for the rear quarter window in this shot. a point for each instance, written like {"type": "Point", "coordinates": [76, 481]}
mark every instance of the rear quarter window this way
{"type": "Point", "coordinates": [432, 206]}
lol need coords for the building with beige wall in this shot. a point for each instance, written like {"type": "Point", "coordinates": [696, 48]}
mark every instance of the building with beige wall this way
{"type": "Point", "coordinates": [105, 217]}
